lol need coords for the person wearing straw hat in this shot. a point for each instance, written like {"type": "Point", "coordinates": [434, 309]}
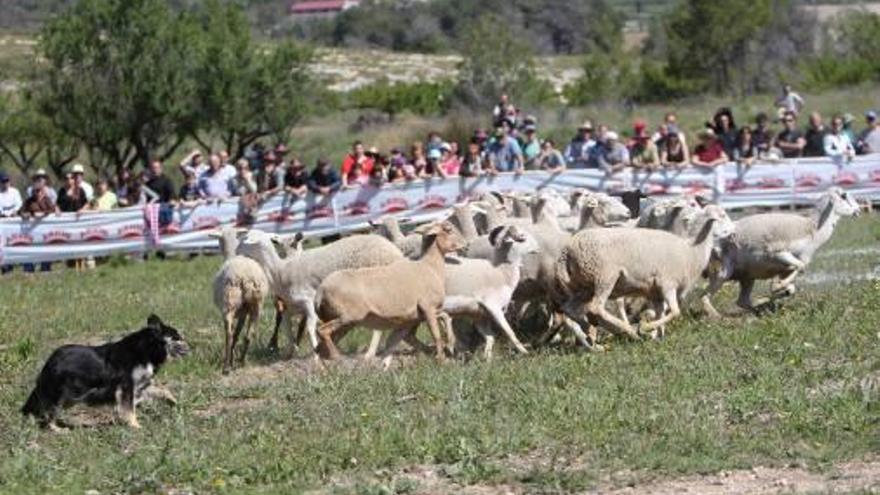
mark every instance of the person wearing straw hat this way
{"type": "Point", "coordinates": [78, 172]}
{"type": "Point", "coordinates": [40, 180]}
{"type": "Point", "coordinates": [577, 153]}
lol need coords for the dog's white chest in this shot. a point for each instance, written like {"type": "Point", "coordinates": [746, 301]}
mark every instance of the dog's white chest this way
{"type": "Point", "coordinates": [142, 374]}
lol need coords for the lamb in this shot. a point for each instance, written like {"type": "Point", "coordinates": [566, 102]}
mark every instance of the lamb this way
{"type": "Point", "coordinates": [240, 286]}
{"type": "Point", "coordinates": [600, 264]}
{"type": "Point", "coordinates": [779, 245]}
{"type": "Point", "coordinates": [389, 228]}
{"type": "Point", "coordinates": [295, 279]}
{"type": "Point", "coordinates": [480, 289]}
{"type": "Point", "coordinates": [397, 296]}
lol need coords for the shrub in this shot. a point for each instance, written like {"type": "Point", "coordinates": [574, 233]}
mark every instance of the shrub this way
{"type": "Point", "coordinates": [422, 98]}
{"type": "Point", "coordinates": [828, 71]}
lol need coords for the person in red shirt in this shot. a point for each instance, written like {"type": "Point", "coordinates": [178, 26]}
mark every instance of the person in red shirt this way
{"type": "Point", "coordinates": [710, 152]}
{"type": "Point", "coordinates": [349, 172]}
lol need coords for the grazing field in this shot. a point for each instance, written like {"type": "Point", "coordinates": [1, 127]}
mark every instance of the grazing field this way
{"type": "Point", "coordinates": [798, 390]}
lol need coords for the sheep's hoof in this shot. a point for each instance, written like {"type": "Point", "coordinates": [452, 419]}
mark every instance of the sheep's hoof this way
{"type": "Point", "coordinates": [225, 370]}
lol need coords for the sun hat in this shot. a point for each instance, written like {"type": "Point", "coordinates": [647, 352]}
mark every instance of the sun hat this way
{"type": "Point", "coordinates": [611, 136]}
{"type": "Point", "coordinates": [588, 125]}
{"type": "Point", "coordinates": [530, 128]}
{"type": "Point", "coordinates": [77, 168]}
{"type": "Point", "coordinates": [41, 172]}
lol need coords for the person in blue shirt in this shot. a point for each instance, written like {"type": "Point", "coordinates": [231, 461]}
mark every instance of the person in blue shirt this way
{"type": "Point", "coordinates": [323, 179]}
{"type": "Point", "coordinates": [504, 153]}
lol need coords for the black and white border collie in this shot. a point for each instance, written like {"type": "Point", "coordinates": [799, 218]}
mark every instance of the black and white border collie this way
{"type": "Point", "coordinates": [118, 372]}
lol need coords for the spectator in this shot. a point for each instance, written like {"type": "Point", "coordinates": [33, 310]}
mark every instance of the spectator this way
{"type": "Point", "coordinates": [504, 153]}
{"type": "Point", "coordinates": [280, 154]}
{"type": "Point", "coordinates": [10, 198]}
{"type": "Point", "coordinates": [450, 162]}
{"type": "Point", "coordinates": [725, 129]}
{"type": "Point", "coordinates": [214, 182]}
{"type": "Point", "coordinates": [790, 140]}
{"type": "Point", "coordinates": [673, 153]}
{"type": "Point", "coordinates": [642, 149]}
{"type": "Point", "coordinates": [670, 126]}
{"type": "Point", "coordinates": [481, 138]}
{"type": "Point", "coordinates": [104, 199]}
{"type": "Point", "coordinates": [577, 153]}
{"type": "Point", "coordinates": [837, 144]}
{"type": "Point", "coordinates": [709, 153]}
{"type": "Point", "coordinates": [531, 146]}
{"type": "Point", "coordinates": [323, 179]}
{"type": "Point", "coordinates": [848, 120]}
{"type": "Point", "coordinates": [434, 142]}
{"type": "Point", "coordinates": [745, 152]}
{"type": "Point", "coordinates": [41, 179]}
{"type": "Point", "coordinates": [789, 101]}
{"type": "Point", "coordinates": [137, 194]}
{"type": "Point", "coordinates": [38, 205]}
{"type": "Point", "coordinates": [189, 194]}
{"type": "Point", "coordinates": [614, 156]}
{"type": "Point", "coordinates": [244, 185]}
{"type": "Point", "coordinates": [550, 158]}
{"type": "Point", "coordinates": [433, 167]}
{"type": "Point", "coordinates": [761, 134]}
{"type": "Point", "coordinates": [473, 164]}
{"type": "Point", "coordinates": [159, 183]}
{"type": "Point", "coordinates": [121, 183]}
{"type": "Point", "coordinates": [417, 159]}
{"type": "Point", "coordinates": [815, 136]}
{"type": "Point", "coordinates": [78, 173]}
{"type": "Point", "coordinates": [398, 166]}
{"type": "Point", "coordinates": [191, 163]}
{"type": "Point", "coordinates": [271, 181]}
{"type": "Point", "coordinates": [503, 110]}
{"type": "Point", "coordinates": [72, 198]}
{"type": "Point", "coordinates": [379, 176]}
{"type": "Point", "coordinates": [296, 179]}
{"type": "Point", "coordinates": [869, 140]}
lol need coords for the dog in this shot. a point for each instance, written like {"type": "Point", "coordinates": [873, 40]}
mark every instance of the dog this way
{"type": "Point", "coordinates": [118, 372]}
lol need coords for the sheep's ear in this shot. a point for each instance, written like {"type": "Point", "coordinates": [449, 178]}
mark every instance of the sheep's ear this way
{"type": "Point", "coordinates": [298, 237]}
{"type": "Point", "coordinates": [701, 200]}
{"type": "Point", "coordinates": [478, 209]}
{"type": "Point", "coordinates": [496, 234]}
{"type": "Point", "coordinates": [425, 228]}
{"type": "Point", "coordinates": [497, 195]}
{"type": "Point", "coordinates": [404, 220]}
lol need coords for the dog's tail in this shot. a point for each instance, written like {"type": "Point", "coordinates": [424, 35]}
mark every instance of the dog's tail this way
{"type": "Point", "coordinates": [33, 406]}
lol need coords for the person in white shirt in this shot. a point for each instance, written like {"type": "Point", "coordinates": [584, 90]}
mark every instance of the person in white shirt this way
{"type": "Point", "coordinates": [837, 144]}
{"type": "Point", "coordinates": [78, 172]}
{"type": "Point", "coordinates": [790, 101]}
{"type": "Point", "coordinates": [10, 198]}
{"type": "Point", "coordinates": [40, 179]}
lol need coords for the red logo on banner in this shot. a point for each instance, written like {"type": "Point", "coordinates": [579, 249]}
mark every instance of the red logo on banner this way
{"type": "Point", "coordinates": [320, 212]}
{"type": "Point", "coordinates": [206, 223]}
{"type": "Point", "coordinates": [466, 197]}
{"type": "Point", "coordinates": [846, 179]}
{"type": "Point", "coordinates": [656, 188]}
{"type": "Point", "coordinates": [56, 237]}
{"type": "Point", "coordinates": [735, 184]}
{"type": "Point", "coordinates": [808, 180]}
{"type": "Point", "coordinates": [394, 205]}
{"type": "Point", "coordinates": [19, 240]}
{"type": "Point", "coordinates": [432, 201]}
{"type": "Point", "coordinates": [171, 228]}
{"type": "Point", "coordinates": [357, 208]}
{"type": "Point", "coordinates": [91, 235]}
{"type": "Point", "coordinates": [134, 231]}
{"type": "Point", "coordinates": [875, 175]}
{"type": "Point", "coordinates": [771, 183]}
{"type": "Point", "coordinates": [696, 185]}
{"type": "Point", "coordinates": [280, 216]}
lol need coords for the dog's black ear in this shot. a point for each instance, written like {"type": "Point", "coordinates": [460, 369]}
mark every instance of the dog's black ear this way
{"type": "Point", "coordinates": [154, 321]}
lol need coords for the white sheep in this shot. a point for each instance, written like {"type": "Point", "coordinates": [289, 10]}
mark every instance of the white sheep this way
{"type": "Point", "coordinates": [240, 286]}
{"type": "Point", "coordinates": [389, 227]}
{"type": "Point", "coordinates": [779, 245]}
{"type": "Point", "coordinates": [295, 279]}
{"type": "Point", "coordinates": [397, 296]}
{"type": "Point", "coordinates": [600, 264]}
{"type": "Point", "coordinates": [480, 290]}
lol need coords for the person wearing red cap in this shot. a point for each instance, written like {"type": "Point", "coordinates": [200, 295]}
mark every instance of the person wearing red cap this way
{"type": "Point", "coordinates": [642, 149]}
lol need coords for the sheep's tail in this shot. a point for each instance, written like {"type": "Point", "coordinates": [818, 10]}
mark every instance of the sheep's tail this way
{"type": "Point", "coordinates": [33, 405]}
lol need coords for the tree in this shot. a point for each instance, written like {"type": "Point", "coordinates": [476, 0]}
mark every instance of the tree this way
{"type": "Point", "coordinates": [121, 77]}
{"type": "Point", "coordinates": [28, 138]}
{"type": "Point", "coordinates": [496, 61]}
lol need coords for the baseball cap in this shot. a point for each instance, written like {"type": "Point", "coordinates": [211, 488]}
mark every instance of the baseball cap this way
{"type": "Point", "coordinates": [588, 125]}
{"type": "Point", "coordinates": [530, 128]}
{"type": "Point", "coordinates": [611, 136]}
{"type": "Point", "coordinates": [41, 172]}
{"type": "Point", "coordinates": [871, 115]}
{"type": "Point", "coordinates": [639, 125]}
{"type": "Point", "coordinates": [77, 168]}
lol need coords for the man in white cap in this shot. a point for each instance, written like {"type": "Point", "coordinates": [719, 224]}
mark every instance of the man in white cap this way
{"type": "Point", "coordinates": [869, 139]}
{"type": "Point", "coordinates": [78, 172]}
{"type": "Point", "coordinates": [40, 180]}
{"type": "Point", "coordinates": [614, 156]}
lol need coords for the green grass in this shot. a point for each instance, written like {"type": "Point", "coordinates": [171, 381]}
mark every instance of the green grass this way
{"type": "Point", "coordinates": [714, 395]}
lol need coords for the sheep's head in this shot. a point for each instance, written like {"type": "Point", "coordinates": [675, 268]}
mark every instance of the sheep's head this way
{"type": "Point", "coordinates": [257, 244]}
{"type": "Point", "coordinates": [446, 236]}
{"type": "Point", "coordinates": [722, 225]}
{"type": "Point", "coordinates": [510, 237]}
{"type": "Point", "coordinates": [227, 238]}
{"type": "Point", "coordinates": [613, 209]}
{"type": "Point", "coordinates": [844, 203]}
{"type": "Point", "coordinates": [289, 245]}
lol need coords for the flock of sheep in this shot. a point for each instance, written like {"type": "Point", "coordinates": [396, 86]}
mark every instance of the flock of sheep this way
{"type": "Point", "coordinates": [580, 261]}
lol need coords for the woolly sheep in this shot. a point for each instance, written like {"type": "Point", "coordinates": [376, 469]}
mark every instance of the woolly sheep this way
{"type": "Point", "coordinates": [397, 296]}
{"type": "Point", "coordinates": [599, 264]}
{"type": "Point", "coordinates": [240, 286]}
{"type": "Point", "coordinates": [389, 227]}
{"type": "Point", "coordinates": [780, 245]}
{"type": "Point", "coordinates": [296, 279]}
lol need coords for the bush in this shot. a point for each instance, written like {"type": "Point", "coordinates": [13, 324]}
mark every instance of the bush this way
{"type": "Point", "coordinates": [422, 98]}
{"type": "Point", "coordinates": [828, 71]}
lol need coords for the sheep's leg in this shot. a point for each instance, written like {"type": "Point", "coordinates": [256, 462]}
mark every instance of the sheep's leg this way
{"type": "Point", "coordinates": [715, 284]}
{"type": "Point", "coordinates": [326, 331]}
{"type": "Point", "coordinates": [621, 307]}
{"type": "Point", "coordinates": [429, 314]}
{"type": "Point", "coordinates": [312, 326]}
{"type": "Point", "coordinates": [498, 316]}
{"type": "Point", "coordinates": [253, 321]}
{"type": "Point", "coordinates": [574, 320]}
{"type": "Point", "coordinates": [446, 322]}
{"type": "Point", "coordinates": [670, 299]}
{"type": "Point", "coordinates": [596, 306]}
{"type": "Point", "coordinates": [391, 343]}
{"type": "Point", "coordinates": [228, 327]}
{"type": "Point", "coordinates": [745, 294]}
{"type": "Point", "coordinates": [280, 311]}
{"type": "Point", "coordinates": [488, 337]}
{"type": "Point", "coordinates": [375, 340]}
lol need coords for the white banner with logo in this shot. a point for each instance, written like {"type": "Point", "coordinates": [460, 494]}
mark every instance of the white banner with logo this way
{"type": "Point", "coordinates": [166, 228]}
